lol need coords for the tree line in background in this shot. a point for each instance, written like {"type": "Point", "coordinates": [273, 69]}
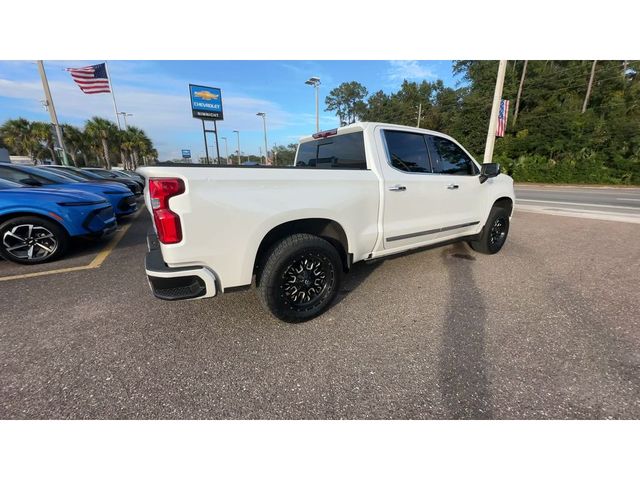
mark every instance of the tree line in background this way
{"type": "Point", "coordinates": [559, 129]}
{"type": "Point", "coordinates": [99, 143]}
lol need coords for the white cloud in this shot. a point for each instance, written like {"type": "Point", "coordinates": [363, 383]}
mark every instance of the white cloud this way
{"type": "Point", "coordinates": [161, 115]}
{"type": "Point", "coordinates": [400, 70]}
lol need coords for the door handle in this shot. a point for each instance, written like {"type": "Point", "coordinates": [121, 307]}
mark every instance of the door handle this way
{"type": "Point", "coordinates": [398, 188]}
{"type": "Point", "coordinates": [453, 186]}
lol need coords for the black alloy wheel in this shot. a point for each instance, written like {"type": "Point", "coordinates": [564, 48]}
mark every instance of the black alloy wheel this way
{"type": "Point", "coordinates": [498, 232]}
{"type": "Point", "coordinates": [306, 279]}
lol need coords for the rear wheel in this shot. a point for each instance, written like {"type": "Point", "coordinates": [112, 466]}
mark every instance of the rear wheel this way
{"type": "Point", "coordinates": [300, 277]}
{"type": "Point", "coordinates": [494, 234]}
{"type": "Point", "coordinates": [32, 240]}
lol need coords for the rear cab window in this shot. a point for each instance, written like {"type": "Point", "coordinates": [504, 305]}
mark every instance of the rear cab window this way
{"type": "Point", "coordinates": [345, 152]}
{"type": "Point", "coordinates": [407, 151]}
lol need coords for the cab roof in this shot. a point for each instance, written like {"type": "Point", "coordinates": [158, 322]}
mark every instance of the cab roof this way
{"type": "Point", "coordinates": [361, 126]}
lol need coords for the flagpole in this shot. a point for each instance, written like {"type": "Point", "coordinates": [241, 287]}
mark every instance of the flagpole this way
{"type": "Point", "coordinates": [52, 111]}
{"type": "Point", "coordinates": [113, 95]}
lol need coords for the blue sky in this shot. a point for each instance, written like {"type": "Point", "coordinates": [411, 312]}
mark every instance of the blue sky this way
{"type": "Point", "coordinates": [156, 92]}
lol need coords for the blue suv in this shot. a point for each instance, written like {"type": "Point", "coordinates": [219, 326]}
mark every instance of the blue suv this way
{"type": "Point", "coordinates": [120, 197]}
{"type": "Point", "coordinates": [37, 223]}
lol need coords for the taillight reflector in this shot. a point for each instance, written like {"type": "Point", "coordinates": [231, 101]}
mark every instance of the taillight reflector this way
{"type": "Point", "coordinates": [166, 221]}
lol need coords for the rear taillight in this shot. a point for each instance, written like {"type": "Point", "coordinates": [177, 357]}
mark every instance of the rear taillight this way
{"type": "Point", "coordinates": [167, 222]}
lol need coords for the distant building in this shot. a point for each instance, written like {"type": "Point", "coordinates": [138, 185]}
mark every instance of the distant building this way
{"type": "Point", "coordinates": [21, 160]}
{"type": "Point", "coordinates": [4, 156]}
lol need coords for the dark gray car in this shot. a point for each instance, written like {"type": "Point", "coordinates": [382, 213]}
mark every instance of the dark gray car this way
{"type": "Point", "coordinates": [89, 176]}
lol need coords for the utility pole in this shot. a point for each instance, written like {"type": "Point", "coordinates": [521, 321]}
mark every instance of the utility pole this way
{"type": "Point", "coordinates": [419, 113]}
{"type": "Point", "coordinates": [586, 97]}
{"type": "Point", "coordinates": [237, 132]}
{"type": "Point", "coordinates": [52, 112]}
{"type": "Point", "coordinates": [264, 122]}
{"type": "Point", "coordinates": [524, 72]}
{"type": "Point", "coordinates": [493, 121]}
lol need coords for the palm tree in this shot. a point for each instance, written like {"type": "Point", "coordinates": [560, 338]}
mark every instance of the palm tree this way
{"type": "Point", "coordinates": [76, 143]}
{"type": "Point", "coordinates": [139, 145]}
{"type": "Point", "coordinates": [126, 148]}
{"type": "Point", "coordinates": [43, 134]}
{"type": "Point", "coordinates": [147, 150]}
{"type": "Point", "coordinates": [18, 136]}
{"type": "Point", "coordinates": [153, 156]}
{"type": "Point", "coordinates": [102, 132]}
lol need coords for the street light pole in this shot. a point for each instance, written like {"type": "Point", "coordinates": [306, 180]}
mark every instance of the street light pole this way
{"type": "Point", "coordinates": [237, 132]}
{"type": "Point", "coordinates": [315, 82]}
{"type": "Point", "coordinates": [226, 149]}
{"type": "Point", "coordinates": [124, 117]}
{"type": "Point", "coordinates": [264, 122]}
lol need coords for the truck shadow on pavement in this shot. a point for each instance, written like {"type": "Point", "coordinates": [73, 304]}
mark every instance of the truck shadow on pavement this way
{"type": "Point", "coordinates": [462, 362]}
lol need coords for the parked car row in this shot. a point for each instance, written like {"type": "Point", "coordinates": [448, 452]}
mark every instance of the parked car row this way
{"type": "Point", "coordinates": [42, 208]}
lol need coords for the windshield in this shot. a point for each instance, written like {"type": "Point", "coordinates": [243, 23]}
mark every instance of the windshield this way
{"type": "Point", "coordinates": [6, 184]}
{"type": "Point", "coordinates": [83, 174]}
{"type": "Point", "coordinates": [65, 173]}
{"type": "Point", "coordinates": [104, 173]}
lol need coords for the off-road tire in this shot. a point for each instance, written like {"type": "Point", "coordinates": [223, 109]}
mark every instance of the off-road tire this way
{"type": "Point", "coordinates": [300, 277]}
{"type": "Point", "coordinates": [494, 233]}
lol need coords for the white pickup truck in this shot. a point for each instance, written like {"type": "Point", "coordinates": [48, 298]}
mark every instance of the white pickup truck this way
{"type": "Point", "coordinates": [356, 193]}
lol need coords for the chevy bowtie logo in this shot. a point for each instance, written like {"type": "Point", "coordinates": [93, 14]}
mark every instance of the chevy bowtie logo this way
{"type": "Point", "coordinates": [204, 95]}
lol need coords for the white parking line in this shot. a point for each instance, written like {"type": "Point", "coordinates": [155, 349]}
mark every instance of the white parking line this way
{"type": "Point", "coordinates": [588, 214]}
{"type": "Point", "coordinates": [575, 203]}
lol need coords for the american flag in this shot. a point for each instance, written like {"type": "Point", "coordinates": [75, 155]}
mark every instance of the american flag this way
{"type": "Point", "coordinates": [91, 79]}
{"type": "Point", "coordinates": [502, 118]}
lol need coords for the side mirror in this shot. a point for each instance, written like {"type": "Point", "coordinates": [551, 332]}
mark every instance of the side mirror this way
{"type": "Point", "coordinates": [489, 170]}
{"type": "Point", "coordinates": [32, 182]}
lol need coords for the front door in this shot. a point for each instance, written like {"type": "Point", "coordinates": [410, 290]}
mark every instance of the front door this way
{"type": "Point", "coordinates": [413, 198]}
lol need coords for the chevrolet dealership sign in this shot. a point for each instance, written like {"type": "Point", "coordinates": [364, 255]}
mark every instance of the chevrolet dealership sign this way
{"type": "Point", "coordinates": [206, 102]}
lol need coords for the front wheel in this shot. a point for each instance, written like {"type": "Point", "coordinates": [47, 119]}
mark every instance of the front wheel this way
{"type": "Point", "coordinates": [32, 240]}
{"type": "Point", "coordinates": [494, 234]}
{"type": "Point", "coordinates": [300, 277]}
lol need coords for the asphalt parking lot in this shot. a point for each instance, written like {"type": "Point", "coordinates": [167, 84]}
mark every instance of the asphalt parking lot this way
{"type": "Point", "coordinates": [548, 328]}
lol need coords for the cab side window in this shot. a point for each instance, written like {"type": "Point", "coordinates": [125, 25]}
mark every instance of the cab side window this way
{"type": "Point", "coordinates": [449, 158]}
{"type": "Point", "coordinates": [407, 151]}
